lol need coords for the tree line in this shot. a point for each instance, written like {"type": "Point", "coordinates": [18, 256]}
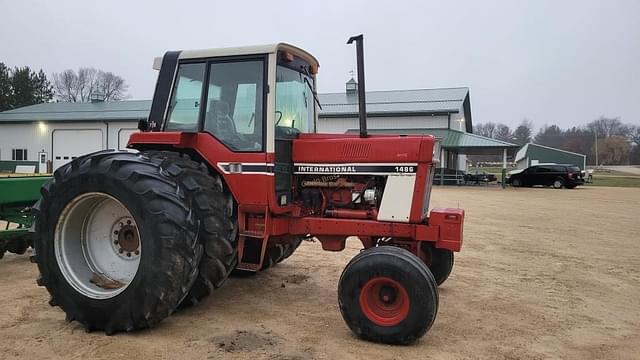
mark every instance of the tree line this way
{"type": "Point", "coordinates": [23, 86]}
{"type": "Point", "coordinates": [607, 140]}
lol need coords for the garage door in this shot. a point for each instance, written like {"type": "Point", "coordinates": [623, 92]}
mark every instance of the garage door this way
{"type": "Point", "coordinates": [69, 144]}
{"type": "Point", "coordinates": [123, 137]}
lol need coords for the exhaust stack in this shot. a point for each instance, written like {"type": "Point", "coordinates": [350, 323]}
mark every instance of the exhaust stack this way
{"type": "Point", "coordinates": [362, 104]}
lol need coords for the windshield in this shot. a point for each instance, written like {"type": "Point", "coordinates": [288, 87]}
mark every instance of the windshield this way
{"type": "Point", "coordinates": [295, 101]}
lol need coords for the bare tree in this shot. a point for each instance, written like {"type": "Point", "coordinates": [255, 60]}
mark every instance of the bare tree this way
{"type": "Point", "coordinates": [486, 129]}
{"type": "Point", "coordinates": [65, 86]}
{"type": "Point", "coordinates": [614, 150]}
{"type": "Point", "coordinates": [522, 134]}
{"type": "Point", "coordinates": [79, 87]}
{"type": "Point", "coordinates": [634, 134]}
{"type": "Point", "coordinates": [608, 127]}
{"type": "Point", "coordinates": [503, 132]}
{"type": "Point", "coordinates": [112, 86]}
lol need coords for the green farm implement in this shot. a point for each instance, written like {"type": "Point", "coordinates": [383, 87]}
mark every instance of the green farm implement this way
{"type": "Point", "coordinates": [17, 196]}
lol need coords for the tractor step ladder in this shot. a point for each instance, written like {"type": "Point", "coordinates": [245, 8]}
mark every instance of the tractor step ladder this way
{"type": "Point", "coordinates": [252, 242]}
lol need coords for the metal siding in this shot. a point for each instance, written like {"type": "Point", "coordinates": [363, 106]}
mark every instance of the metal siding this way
{"type": "Point", "coordinates": [545, 155]}
{"type": "Point", "coordinates": [23, 136]}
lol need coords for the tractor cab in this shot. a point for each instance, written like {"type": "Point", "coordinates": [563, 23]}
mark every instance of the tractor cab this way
{"type": "Point", "coordinates": [230, 97]}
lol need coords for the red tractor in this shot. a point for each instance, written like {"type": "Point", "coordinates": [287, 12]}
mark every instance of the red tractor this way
{"type": "Point", "coordinates": [228, 174]}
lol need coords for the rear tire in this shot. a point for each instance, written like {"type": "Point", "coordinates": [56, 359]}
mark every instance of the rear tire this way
{"type": "Point", "coordinates": [439, 261]}
{"type": "Point", "coordinates": [214, 209]}
{"type": "Point", "coordinates": [150, 224]}
{"type": "Point", "coordinates": [289, 249]}
{"type": "Point", "coordinates": [387, 294]}
{"type": "Point", "coordinates": [558, 184]}
{"type": "Point", "coordinates": [273, 256]}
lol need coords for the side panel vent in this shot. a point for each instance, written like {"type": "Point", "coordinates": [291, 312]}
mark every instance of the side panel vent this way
{"type": "Point", "coordinates": [355, 151]}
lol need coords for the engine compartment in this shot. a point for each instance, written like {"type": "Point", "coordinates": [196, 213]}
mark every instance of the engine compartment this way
{"type": "Point", "coordinates": [339, 196]}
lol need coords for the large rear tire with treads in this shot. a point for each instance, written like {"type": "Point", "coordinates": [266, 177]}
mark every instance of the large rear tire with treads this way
{"type": "Point", "coordinates": [116, 241]}
{"type": "Point", "coordinates": [214, 209]}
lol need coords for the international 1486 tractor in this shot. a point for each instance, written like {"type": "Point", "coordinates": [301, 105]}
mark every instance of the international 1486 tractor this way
{"type": "Point", "coordinates": [229, 174]}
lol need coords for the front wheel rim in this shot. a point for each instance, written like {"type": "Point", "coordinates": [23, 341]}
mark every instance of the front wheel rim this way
{"type": "Point", "coordinates": [384, 301]}
{"type": "Point", "coordinates": [97, 245]}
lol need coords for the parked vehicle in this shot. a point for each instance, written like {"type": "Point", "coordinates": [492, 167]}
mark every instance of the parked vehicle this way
{"type": "Point", "coordinates": [556, 175]}
{"type": "Point", "coordinates": [479, 176]}
{"type": "Point", "coordinates": [587, 175]}
{"type": "Point", "coordinates": [17, 195]}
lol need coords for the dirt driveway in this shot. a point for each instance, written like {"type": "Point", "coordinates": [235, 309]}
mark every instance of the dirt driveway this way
{"type": "Point", "coordinates": [543, 274]}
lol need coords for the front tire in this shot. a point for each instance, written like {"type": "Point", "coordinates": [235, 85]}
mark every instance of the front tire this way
{"type": "Point", "coordinates": [115, 241]}
{"type": "Point", "coordinates": [516, 183]}
{"type": "Point", "coordinates": [387, 294]}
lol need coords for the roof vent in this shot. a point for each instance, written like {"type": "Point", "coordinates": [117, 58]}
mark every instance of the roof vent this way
{"type": "Point", "coordinates": [96, 97]}
{"type": "Point", "coordinates": [352, 87]}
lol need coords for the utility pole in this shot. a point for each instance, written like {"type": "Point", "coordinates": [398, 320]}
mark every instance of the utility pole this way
{"type": "Point", "coordinates": [595, 134]}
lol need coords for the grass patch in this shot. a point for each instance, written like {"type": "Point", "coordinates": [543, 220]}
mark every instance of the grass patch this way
{"type": "Point", "coordinates": [615, 181]}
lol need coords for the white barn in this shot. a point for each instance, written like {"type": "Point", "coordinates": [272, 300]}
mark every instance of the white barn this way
{"type": "Point", "coordinates": [53, 134]}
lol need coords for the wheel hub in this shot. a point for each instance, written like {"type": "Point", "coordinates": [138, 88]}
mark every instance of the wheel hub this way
{"type": "Point", "coordinates": [97, 245]}
{"type": "Point", "coordinates": [126, 241]}
{"type": "Point", "coordinates": [384, 301]}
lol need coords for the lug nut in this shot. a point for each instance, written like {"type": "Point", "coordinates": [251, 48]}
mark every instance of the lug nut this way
{"type": "Point", "coordinates": [121, 251]}
{"type": "Point", "coordinates": [129, 254]}
{"type": "Point", "coordinates": [128, 222]}
{"type": "Point", "coordinates": [137, 252]}
{"type": "Point", "coordinates": [115, 232]}
{"type": "Point", "coordinates": [115, 242]}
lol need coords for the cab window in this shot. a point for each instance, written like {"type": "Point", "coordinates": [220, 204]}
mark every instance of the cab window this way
{"type": "Point", "coordinates": [184, 108]}
{"type": "Point", "coordinates": [234, 104]}
{"type": "Point", "coordinates": [295, 107]}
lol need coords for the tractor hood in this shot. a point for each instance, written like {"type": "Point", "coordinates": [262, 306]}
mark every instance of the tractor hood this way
{"type": "Point", "coordinates": [347, 148]}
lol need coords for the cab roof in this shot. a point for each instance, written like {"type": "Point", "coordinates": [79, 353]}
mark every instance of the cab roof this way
{"type": "Point", "coordinates": [242, 50]}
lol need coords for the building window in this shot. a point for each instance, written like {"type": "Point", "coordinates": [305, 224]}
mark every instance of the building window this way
{"type": "Point", "coordinates": [19, 154]}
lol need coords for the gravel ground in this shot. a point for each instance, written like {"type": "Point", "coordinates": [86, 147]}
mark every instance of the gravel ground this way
{"type": "Point", "coordinates": [543, 274]}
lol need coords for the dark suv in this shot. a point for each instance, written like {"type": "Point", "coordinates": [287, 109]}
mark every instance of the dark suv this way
{"type": "Point", "coordinates": [556, 175]}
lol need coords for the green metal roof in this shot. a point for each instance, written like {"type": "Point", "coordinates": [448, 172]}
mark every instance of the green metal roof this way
{"type": "Point", "coordinates": [394, 101]}
{"type": "Point", "coordinates": [100, 111]}
{"type": "Point", "coordinates": [400, 102]}
{"type": "Point", "coordinates": [467, 143]}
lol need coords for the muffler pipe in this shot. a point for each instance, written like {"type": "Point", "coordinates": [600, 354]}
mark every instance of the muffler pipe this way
{"type": "Point", "coordinates": [362, 104]}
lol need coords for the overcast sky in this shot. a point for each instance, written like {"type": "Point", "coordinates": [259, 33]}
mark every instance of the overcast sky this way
{"type": "Point", "coordinates": [563, 62]}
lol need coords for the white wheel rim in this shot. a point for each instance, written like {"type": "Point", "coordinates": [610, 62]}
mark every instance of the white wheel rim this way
{"type": "Point", "coordinates": [97, 245]}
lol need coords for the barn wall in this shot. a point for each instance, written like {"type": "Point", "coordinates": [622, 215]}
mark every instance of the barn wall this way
{"type": "Point", "coordinates": [544, 155]}
{"type": "Point", "coordinates": [36, 137]}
